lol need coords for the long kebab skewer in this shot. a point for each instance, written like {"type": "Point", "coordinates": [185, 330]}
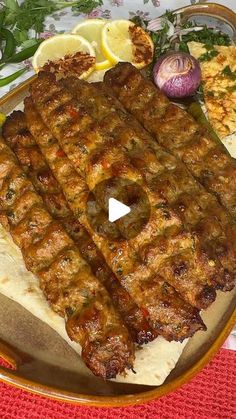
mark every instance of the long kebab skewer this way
{"type": "Point", "coordinates": [206, 158]}
{"type": "Point", "coordinates": [19, 139]}
{"type": "Point", "coordinates": [168, 313]}
{"type": "Point", "coordinates": [65, 278]}
{"type": "Point", "coordinates": [198, 209]}
{"type": "Point", "coordinates": [98, 156]}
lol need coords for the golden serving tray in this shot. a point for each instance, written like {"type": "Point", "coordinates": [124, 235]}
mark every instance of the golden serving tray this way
{"type": "Point", "coordinates": [46, 365]}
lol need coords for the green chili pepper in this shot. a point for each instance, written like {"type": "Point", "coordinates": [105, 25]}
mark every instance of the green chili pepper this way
{"type": "Point", "coordinates": [10, 44]}
{"type": "Point", "coordinates": [196, 111]}
{"type": "Point", "coordinates": [22, 55]}
{"type": "Point", "coordinates": [6, 80]}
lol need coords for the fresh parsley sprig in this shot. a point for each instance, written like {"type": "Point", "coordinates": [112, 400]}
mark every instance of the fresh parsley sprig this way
{"type": "Point", "coordinates": [164, 42]}
{"type": "Point", "coordinates": [18, 20]}
{"type": "Point", "coordinates": [31, 14]}
{"type": "Point", "coordinates": [229, 73]}
{"type": "Point", "coordinates": [208, 55]}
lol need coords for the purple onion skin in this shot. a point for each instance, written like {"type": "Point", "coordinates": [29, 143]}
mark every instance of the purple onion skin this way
{"type": "Point", "coordinates": [177, 74]}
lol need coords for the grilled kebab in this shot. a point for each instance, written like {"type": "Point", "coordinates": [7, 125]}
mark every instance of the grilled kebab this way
{"type": "Point", "coordinates": [19, 139]}
{"type": "Point", "coordinates": [198, 209]}
{"type": "Point", "coordinates": [65, 278]}
{"type": "Point", "coordinates": [96, 154]}
{"type": "Point", "coordinates": [206, 158]}
{"type": "Point", "coordinates": [171, 316]}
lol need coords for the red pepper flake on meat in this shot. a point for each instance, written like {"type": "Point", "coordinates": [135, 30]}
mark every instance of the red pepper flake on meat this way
{"type": "Point", "coordinates": [72, 111]}
{"type": "Point", "coordinates": [105, 164]}
{"type": "Point", "coordinates": [70, 65]}
{"type": "Point", "coordinates": [144, 312]}
{"type": "Point", "coordinates": [60, 153]}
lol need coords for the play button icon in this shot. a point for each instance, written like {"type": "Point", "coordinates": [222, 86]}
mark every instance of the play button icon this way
{"type": "Point", "coordinates": [116, 210]}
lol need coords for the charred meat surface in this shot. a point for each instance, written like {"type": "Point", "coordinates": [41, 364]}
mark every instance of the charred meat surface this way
{"type": "Point", "coordinates": [65, 278]}
{"type": "Point", "coordinates": [170, 315]}
{"type": "Point", "coordinates": [75, 136]}
{"type": "Point", "coordinates": [207, 159]}
{"type": "Point", "coordinates": [97, 155]}
{"type": "Point", "coordinates": [202, 214]}
{"type": "Point", "coordinates": [20, 140]}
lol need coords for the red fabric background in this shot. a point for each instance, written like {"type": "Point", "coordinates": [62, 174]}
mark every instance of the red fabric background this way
{"type": "Point", "coordinates": [211, 394]}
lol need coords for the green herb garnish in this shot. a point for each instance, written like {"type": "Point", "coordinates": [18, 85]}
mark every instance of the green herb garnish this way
{"type": "Point", "coordinates": [210, 93]}
{"type": "Point", "coordinates": [170, 16]}
{"type": "Point", "coordinates": [164, 42]}
{"type": "Point", "coordinates": [22, 22]}
{"type": "Point", "coordinates": [208, 37]}
{"type": "Point", "coordinates": [229, 73]}
{"type": "Point", "coordinates": [137, 20]}
{"type": "Point", "coordinates": [232, 89]}
{"type": "Point", "coordinates": [207, 56]}
{"type": "Point", "coordinates": [30, 14]}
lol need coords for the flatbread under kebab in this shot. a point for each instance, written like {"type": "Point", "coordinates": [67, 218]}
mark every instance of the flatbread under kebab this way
{"type": "Point", "coordinates": [153, 362]}
{"type": "Point", "coordinates": [63, 113]}
{"type": "Point", "coordinates": [20, 140]}
{"type": "Point", "coordinates": [175, 319]}
{"type": "Point", "coordinates": [65, 278]}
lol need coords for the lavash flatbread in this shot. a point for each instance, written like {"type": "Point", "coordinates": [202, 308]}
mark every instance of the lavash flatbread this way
{"type": "Point", "coordinates": [153, 362]}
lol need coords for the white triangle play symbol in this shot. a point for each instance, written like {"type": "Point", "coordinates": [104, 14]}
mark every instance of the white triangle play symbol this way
{"type": "Point", "coordinates": [116, 209]}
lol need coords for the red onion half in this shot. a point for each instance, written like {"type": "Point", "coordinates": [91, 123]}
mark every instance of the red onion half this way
{"type": "Point", "coordinates": [177, 74]}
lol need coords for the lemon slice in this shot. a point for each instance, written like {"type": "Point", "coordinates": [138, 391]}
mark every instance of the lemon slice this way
{"type": "Point", "coordinates": [122, 40]}
{"type": "Point", "coordinates": [2, 119]}
{"type": "Point", "coordinates": [65, 53]}
{"type": "Point", "coordinates": [97, 76]}
{"type": "Point", "coordinates": [91, 29]}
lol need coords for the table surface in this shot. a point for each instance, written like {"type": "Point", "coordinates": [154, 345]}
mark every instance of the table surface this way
{"type": "Point", "coordinates": [211, 395]}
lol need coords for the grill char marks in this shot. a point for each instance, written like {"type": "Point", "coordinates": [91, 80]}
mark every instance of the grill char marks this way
{"type": "Point", "coordinates": [20, 140]}
{"type": "Point", "coordinates": [206, 158]}
{"type": "Point", "coordinates": [81, 137]}
{"type": "Point", "coordinates": [198, 209]}
{"type": "Point", "coordinates": [168, 313]}
{"type": "Point", "coordinates": [65, 278]}
{"type": "Point", "coordinates": [112, 124]}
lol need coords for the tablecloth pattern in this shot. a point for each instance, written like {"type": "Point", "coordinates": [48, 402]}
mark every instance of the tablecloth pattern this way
{"type": "Point", "coordinates": [210, 395]}
{"type": "Point", "coordinates": [65, 20]}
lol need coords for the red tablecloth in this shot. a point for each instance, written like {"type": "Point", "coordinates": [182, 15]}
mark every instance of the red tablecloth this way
{"type": "Point", "coordinates": [212, 394]}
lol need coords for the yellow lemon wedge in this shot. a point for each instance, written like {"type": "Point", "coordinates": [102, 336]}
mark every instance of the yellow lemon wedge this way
{"type": "Point", "coordinates": [91, 29]}
{"type": "Point", "coordinates": [97, 76]}
{"type": "Point", "coordinates": [65, 54]}
{"type": "Point", "coordinates": [2, 119]}
{"type": "Point", "coordinates": [122, 40]}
